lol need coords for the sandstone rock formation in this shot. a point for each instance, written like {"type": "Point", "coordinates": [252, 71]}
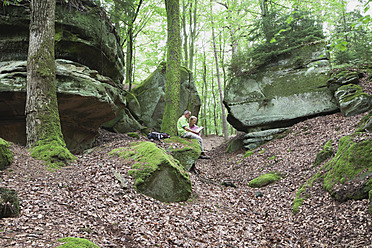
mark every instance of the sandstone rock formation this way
{"type": "Point", "coordinates": [148, 100]}
{"type": "Point", "coordinates": [89, 70]}
{"type": "Point", "coordinates": [156, 173]}
{"type": "Point", "coordinates": [281, 93]}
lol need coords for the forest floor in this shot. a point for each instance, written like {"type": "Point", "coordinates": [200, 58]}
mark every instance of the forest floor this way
{"type": "Point", "coordinates": [85, 200]}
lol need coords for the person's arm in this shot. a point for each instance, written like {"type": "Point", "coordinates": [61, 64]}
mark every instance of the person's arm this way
{"type": "Point", "coordinates": [189, 130]}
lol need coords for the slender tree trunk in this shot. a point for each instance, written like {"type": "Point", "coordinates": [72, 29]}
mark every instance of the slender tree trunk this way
{"type": "Point", "coordinates": [43, 128]}
{"type": "Point", "coordinates": [224, 122]}
{"type": "Point", "coordinates": [185, 36]}
{"type": "Point", "coordinates": [193, 33]}
{"type": "Point", "coordinates": [173, 73]}
{"type": "Point", "coordinates": [204, 94]}
{"type": "Point", "coordinates": [129, 58]}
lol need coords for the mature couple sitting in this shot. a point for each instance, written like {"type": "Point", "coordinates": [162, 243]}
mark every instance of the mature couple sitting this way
{"type": "Point", "coordinates": [188, 129]}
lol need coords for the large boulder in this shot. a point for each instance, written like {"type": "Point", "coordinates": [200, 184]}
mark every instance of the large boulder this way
{"type": "Point", "coordinates": [186, 151]}
{"type": "Point", "coordinates": [349, 174]}
{"type": "Point", "coordinates": [352, 100]}
{"type": "Point", "coordinates": [83, 34]}
{"type": "Point", "coordinates": [148, 100]}
{"type": "Point", "coordinates": [156, 173]}
{"type": "Point", "coordinates": [86, 100]}
{"type": "Point", "coordinates": [89, 68]}
{"type": "Point", "coordinates": [6, 156]}
{"type": "Point", "coordinates": [283, 92]}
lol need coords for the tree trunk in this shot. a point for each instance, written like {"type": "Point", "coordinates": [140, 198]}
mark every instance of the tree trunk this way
{"type": "Point", "coordinates": [204, 94]}
{"type": "Point", "coordinates": [185, 48]}
{"type": "Point", "coordinates": [43, 128]}
{"type": "Point", "coordinates": [224, 122]}
{"type": "Point", "coordinates": [173, 73]}
{"type": "Point", "coordinates": [129, 58]}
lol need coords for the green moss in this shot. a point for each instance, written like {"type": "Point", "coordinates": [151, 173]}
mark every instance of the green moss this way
{"type": "Point", "coordinates": [71, 242]}
{"type": "Point", "coordinates": [9, 204]}
{"type": "Point", "coordinates": [352, 160]}
{"type": "Point", "coordinates": [248, 153]}
{"type": "Point", "coordinates": [265, 179]}
{"type": "Point", "coordinates": [133, 135]}
{"type": "Point", "coordinates": [6, 156]}
{"type": "Point", "coordinates": [186, 151]}
{"type": "Point", "coordinates": [147, 156]}
{"type": "Point", "coordinates": [365, 123]}
{"type": "Point", "coordinates": [324, 154]}
{"type": "Point", "coordinates": [303, 194]}
{"type": "Point", "coordinates": [356, 91]}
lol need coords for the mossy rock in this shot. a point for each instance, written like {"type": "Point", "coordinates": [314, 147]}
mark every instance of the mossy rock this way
{"type": "Point", "coordinates": [349, 174]}
{"type": "Point", "coordinates": [156, 173]}
{"type": "Point", "coordinates": [9, 204]}
{"type": "Point", "coordinates": [365, 124]}
{"type": "Point", "coordinates": [324, 154]}
{"type": "Point", "coordinates": [71, 242]}
{"type": "Point", "coordinates": [352, 100]}
{"type": "Point", "coordinates": [186, 151]}
{"type": "Point", "coordinates": [6, 156]}
{"type": "Point", "coordinates": [235, 145]}
{"type": "Point", "coordinates": [342, 78]}
{"type": "Point", "coordinates": [265, 179]}
{"type": "Point", "coordinates": [133, 135]}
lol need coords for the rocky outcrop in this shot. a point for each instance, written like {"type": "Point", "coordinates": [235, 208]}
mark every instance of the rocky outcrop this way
{"type": "Point", "coordinates": [352, 100]}
{"type": "Point", "coordinates": [282, 92]}
{"type": "Point", "coordinates": [83, 34]}
{"type": "Point", "coordinates": [156, 173]}
{"type": "Point", "coordinates": [86, 100]}
{"type": "Point", "coordinates": [89, 73]}
{"type": "Point", "coordinates": [148, 100]}
{"type": "Point", "coordinates": [6, 156]}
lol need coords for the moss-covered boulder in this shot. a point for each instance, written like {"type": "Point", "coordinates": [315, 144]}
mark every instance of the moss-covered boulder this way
{"type": "Point", "coordinates": [324, 154]}
{"type": "Point", "coordinates": [156, 173]}
{"type": "Point", "coordinates": [265, 179]}
{"type": "Point", "coordinates": [186, 151]}
{"type": "Point", "coordinates": [282, 92]}
{"type": "Point", "coordinates": [71, 242]}
{"type": "Point", "coordinates": [148, 100]}
{"type": "Point", "coordinates": [349, 174]}
{"type": "Point", "coordinates": [342, 77]}
{"type": "Point", "coordinates": [9, 204]}
{"type": "Point", "coordinates": [6, 156]}
{"type": "Point", "coordinates": [352, 100]}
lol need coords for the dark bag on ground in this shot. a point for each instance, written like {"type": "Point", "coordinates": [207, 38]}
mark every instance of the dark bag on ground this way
{"type": "Point", "coordinates": [157, 136]}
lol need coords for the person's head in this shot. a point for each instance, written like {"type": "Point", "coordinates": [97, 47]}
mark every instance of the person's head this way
{"type": "Point", "coordinates": [187, 114]}
{"type": "Point", "coordinates": [193, 120]}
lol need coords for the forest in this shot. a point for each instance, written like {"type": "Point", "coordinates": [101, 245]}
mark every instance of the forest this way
{"type": "Point", "coordinates": [283, 90]}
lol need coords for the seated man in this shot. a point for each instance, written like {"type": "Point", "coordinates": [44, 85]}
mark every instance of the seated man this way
{"type": "Point", "coordinates": [185, 132]}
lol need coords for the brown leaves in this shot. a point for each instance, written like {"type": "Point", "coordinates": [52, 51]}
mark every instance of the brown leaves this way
{"type": "Point", "coordinates": [86, 199]}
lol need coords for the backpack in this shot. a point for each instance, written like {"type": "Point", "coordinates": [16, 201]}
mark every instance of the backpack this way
{"type": "Point", "coordinates": [157, 136]}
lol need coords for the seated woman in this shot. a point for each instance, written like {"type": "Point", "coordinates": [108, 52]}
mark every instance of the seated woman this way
{"type": "Point", "coordinates": [192, 124]}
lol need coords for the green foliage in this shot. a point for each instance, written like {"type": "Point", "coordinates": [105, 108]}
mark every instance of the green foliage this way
{"type": "Point", "coordinates": [288, 32]}
{"type": "Point", "coordinates": [71, 242]}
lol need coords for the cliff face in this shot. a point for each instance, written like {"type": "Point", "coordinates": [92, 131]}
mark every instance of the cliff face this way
{"type": "Point", "coordinates": [89, 72]}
